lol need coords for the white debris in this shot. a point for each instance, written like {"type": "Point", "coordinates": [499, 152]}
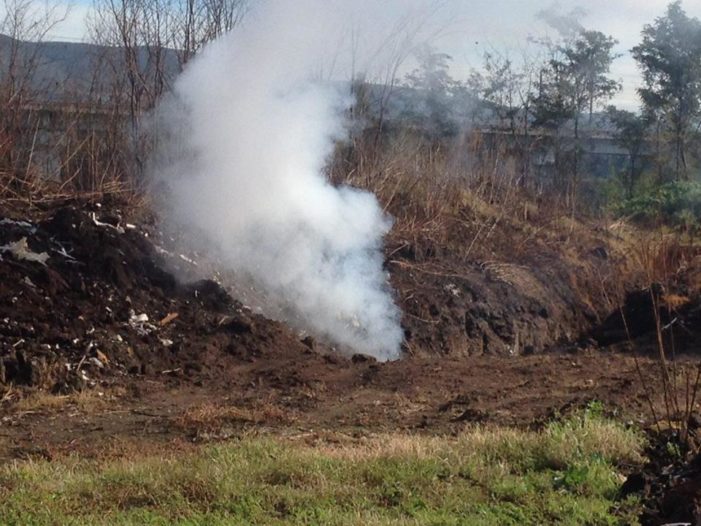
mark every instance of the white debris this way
{"type": "Point", "coordinates": [61, 251]}
{"type": "Point", "coordinates": [29, 282]}
{"type": "Point", "coordinates": [20, 250]}
{"type": "Point", "coordinates": [140, 318]}
{"type": "Point", "coordinates": [96, 222]}
{"type": "Point", "coordinates": [453, 289]}
{"type": "Point", "coordinates": [97, 363]}
{"type": "Point", "coordinates": [139, 322]}
{"type": "Point", "coordinates": [188, 260]}
{"type": "Point", "coordinates": [21, 224]}
{"type": "Point", "coordinates": [166, 342]}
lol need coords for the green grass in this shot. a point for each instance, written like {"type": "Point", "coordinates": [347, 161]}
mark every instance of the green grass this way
{"type": "Point", "coordinates": [564, 474]}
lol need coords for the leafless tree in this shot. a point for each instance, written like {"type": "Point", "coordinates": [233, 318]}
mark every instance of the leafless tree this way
{"type": "Point", "coordinates": [25, 24]}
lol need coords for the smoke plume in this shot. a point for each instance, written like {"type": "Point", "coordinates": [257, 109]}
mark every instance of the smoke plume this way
{"type": "Point", "coordinates": [244, 140]}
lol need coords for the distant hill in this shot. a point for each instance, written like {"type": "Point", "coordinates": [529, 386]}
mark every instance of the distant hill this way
{"type": "Point", "coordinates": [73, 71]}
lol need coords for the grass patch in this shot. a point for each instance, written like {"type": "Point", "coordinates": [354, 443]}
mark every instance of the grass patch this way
{"type": "Point", "coordinates": [566, 473]}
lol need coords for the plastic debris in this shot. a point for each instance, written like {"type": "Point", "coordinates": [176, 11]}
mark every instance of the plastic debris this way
{"type": "Point", "coordinates": [99, 223]}
{"type": "Point", "coordinates": [138, 318]}
{"type": "Point", "coordinates": [20, 250]}
{"type": "Point", "coordinates": [21, 224]}
{"type": "Point", "coordinates": [139, 322]}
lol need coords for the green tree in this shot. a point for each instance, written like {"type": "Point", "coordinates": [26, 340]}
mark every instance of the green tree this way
{"type": "Point", "coordinates": [574, 81]}
{"type": "Point", "coordinates": [631, 134]}
{"type": "Point", "coordinates": [431, 81]}
{"type": "Point", "coordinates": [670, 59]}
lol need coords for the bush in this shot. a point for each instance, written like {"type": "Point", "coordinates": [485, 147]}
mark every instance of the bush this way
{"type": "Point", "coordinates": [673, 204]}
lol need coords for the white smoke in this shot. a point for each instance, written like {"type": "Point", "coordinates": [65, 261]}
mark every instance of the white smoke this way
{"type": "Point", "coordinates": [250, 130]}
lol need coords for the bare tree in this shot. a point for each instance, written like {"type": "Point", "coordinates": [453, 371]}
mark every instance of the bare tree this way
{"type": "Point", "coordinates": [147, 42]}
{"type": "Point", "coordinates": [26, 23]}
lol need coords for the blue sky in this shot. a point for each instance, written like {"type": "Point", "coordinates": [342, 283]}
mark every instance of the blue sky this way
{"type": "Point", "coordinates": [476, 26]}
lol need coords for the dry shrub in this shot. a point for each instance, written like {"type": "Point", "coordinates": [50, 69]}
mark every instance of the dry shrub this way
{"type": "Point", "coordinates": [66, 151]}
{"type": "Point", "coordinates": [448, 193]}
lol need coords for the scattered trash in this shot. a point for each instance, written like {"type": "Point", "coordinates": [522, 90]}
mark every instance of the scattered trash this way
{"type": "Point", "coordinates": [188, 260]}
{"type": "Point", "coordinates": [168, 318]}
{"type": "Point", "coordinates": [139, 322]}
{"type": "Point", "coordinates": [162, 250]}
{"type": "Point", "coordinates": [61, 251]}
{"type": "Point", "coordinates": [453, 289]}
{"type": "Point", "coordinates": [96, 222]}
{"type": "Point", "coordinates": [97, 363]}
{"type": "Point", "coordinates": [102, 357]}
{"type": "Point", "coordinates": [20, 250]}
{"type": "Point", "coordinates": [21, 224]}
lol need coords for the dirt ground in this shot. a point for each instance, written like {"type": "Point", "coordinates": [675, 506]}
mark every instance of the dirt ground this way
{"type": "Point", "coordinates": [103, 349]}
{"type": "Point", "coordinates": [301, 393]}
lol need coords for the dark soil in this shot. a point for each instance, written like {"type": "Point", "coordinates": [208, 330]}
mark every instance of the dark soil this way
{"type": "Point", "coordinates": [670, 483]}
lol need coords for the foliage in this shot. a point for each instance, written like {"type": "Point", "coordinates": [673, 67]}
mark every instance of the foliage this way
{"type": "Point", "coordinates": [433, 83]}
{"type": "Point", "coordinates": [631, 134]}
{"type": "Point", "coordinates": [673, 204]}
{"type": "Point", "coordinates": [670, 58]}
{"type": "Point", "coordinates": [576, 78]}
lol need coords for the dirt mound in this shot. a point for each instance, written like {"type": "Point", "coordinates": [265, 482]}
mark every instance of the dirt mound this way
{"type": "Point", "coordinates": [652, 316]}
{"type": "Point", "coordinates": [84, 296]}
{"type": "Point", "coordinates": [509, 305]}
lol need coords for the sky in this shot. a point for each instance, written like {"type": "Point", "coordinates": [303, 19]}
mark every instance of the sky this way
{"type": "Point", "coordinates": [469, 28]}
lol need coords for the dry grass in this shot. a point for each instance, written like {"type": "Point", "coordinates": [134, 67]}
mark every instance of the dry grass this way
{"type": "Point", "coordinates": [210, 418]}
{"type": "Point", "coordinates": [89, 400]}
